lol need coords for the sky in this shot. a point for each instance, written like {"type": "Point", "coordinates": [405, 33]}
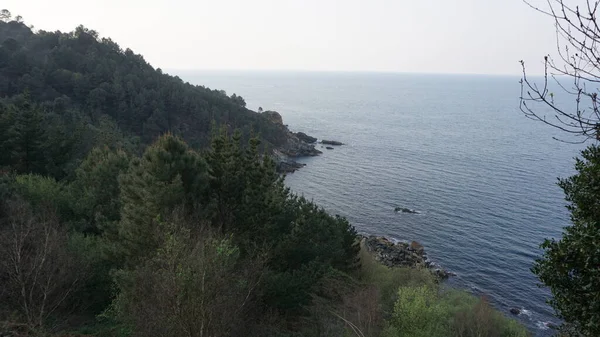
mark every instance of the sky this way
{"type": "Point", "coordinates": [434, 36]}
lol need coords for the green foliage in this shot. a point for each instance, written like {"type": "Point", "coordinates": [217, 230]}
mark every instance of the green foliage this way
{"type": "Point", "coordinates": [174, 242]}
{"type": "Point", "coordinates": [7, 136]}
{"type": "Point", "coordinates": [300, 239]}
{"type": "Point", "coordinates": [96, 78]}
{"type": "Point", "coordinates": [96, 190]}
{"type": "Point", "coordinates": [388, 280]}
{"type": "Point", "coordinates": [569, 266]}
{"type": "Point", "coordinates": [425, 311]}
{"type": "Point", "coordinates": [418, 312]}
{"type": "Point", "coordinates": [38, 142]}
{"type": "Point", "coordinates": [26, 142]}
{"type": "Point", "coordinates": [42, 192]}
{"type": "Point", "coordinates": [96, 289]}
{"type": "Point", "coordinates": [195, 285]}
{"type": "Point", "coordinates": [169, 175]}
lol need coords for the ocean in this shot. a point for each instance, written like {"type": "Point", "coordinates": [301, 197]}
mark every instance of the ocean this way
{"type": "Point", "coordinates": [456, 148]}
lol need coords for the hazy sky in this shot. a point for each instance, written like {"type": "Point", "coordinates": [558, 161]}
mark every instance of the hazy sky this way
{"type": "Point", "coordinates": [435, 36]}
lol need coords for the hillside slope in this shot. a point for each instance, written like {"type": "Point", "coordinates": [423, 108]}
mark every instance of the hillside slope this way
{"type": "Point", "coordinates": [78, 71]}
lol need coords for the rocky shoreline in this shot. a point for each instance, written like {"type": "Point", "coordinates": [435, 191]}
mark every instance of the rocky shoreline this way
{"type": "Point", "coordinates": [402, 254]}
{"type": "Point", "coordinates": [296, 145]}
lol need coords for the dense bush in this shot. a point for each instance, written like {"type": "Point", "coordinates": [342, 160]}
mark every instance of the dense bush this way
{"type": "Point", "coordinates": [196, 285]}
{"type": "Point", "coordinates": [570, 265]}
{"type": "Point", "coordinates": [430, 312]}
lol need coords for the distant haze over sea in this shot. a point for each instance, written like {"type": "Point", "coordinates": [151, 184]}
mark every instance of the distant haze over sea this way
{"type": "Point", "coordinates": [454, 147]}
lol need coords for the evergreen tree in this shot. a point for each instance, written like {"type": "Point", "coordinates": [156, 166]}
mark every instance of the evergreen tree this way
{"type": "Point", "coordinates": [168, 176]}
{"type": "Point", "coordinates": [29, 138]}
{"type": "Point", "coordinates": [7, 136]}
{"type": "Point", "coordinates": [571, 266]}
{"type": "Point", "coordinates": [96, 189]}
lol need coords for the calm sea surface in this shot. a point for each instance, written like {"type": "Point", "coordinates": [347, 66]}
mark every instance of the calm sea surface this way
{"type": "Point", "coordinates": [456, 148]}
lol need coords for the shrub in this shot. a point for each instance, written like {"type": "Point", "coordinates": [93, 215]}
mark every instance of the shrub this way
{"type": "Point", "coordinates": [388, 280]}
{"type": "Point", "coordinates": [196, 285]}
{"type": "Point", "coordinates": [425, 311]}
{"type": "Point", "coordinates": [39, 272]}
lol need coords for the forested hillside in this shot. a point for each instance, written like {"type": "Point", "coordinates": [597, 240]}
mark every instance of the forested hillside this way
{"type": "Point", "coordinates": [84, 91]}
{"type": "Point", "coordinates": [111, 224]}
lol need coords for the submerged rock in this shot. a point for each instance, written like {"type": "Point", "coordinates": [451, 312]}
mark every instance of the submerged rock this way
{"type": "Point", "coordinates": [405, 210]}
{"type": "Point", "coordinates": [331, 142]}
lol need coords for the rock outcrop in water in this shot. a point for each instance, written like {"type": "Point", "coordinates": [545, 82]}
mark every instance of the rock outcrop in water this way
{"type": "Point", "coordinates": [285, 164]}
{"type": "Point", "coordinates": [405, 210]}
{"type": "Point", "coordinates": [306, 138]}
{"type": "Point", "coordinates": [331, 142]}
{"type": "Point", "coordinates": [402, 254]}
{"type": "Point", "coordinates": [295, 145]}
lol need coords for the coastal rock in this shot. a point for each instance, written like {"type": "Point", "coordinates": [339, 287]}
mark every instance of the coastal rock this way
{"type": "Point", "coordinates": [273, 116]}
{"type": "Point", "coordinates": [328, 147]}
{"type": "Point", "coordinates": [442, 274]}
{"type": "Point", "coordinates": [515, 311]}
{"type": "Point", "coordinates": [305, 138]}
{"type": "Point", "coordinates": [402, 254]}
{"type": "Point", "coordinates": [331, 142]}
{"type": "Point", "coordinates": [295, 147]}
{"type": "Point", "coordinates": [417, 247]}
{"type": "Point", "coordinates": [285, 164]}
{"type": "Point", "coordinates": [288, 166]}
{"type": "Point", "coordinates": [405, 210]}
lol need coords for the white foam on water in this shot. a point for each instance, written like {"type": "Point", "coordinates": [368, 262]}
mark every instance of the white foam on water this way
{"type": "Point", "coordinates": [542, 325]}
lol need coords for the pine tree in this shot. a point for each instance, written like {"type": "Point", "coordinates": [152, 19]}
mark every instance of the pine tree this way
{"type": "Point", "coordinates": [96, 189]}
{"type": "Point", "coordinates": [7, 137]}
{"type": "Point", "coordinates": [30, 139]}
{"type": "Point", "coordinates": [168, 176]}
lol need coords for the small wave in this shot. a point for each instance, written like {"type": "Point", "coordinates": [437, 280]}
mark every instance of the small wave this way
{"type": "Point", "coordinates": [474, 288]}
{"type": "Point", "coordinates": [526, 312]}
{"type": "Point", "coordinates": [406, 210]}
{"type": "Point", "coordinates": [397, 241]}
{"type": "Point", "coordinates": [544, 325]}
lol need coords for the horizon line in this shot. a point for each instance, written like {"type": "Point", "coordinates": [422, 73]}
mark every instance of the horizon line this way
{"type": "Point", "coordinates": [390, 72]}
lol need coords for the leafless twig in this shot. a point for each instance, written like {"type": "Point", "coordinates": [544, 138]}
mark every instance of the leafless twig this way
{"type": "Point", "coordinates": [577, 36]}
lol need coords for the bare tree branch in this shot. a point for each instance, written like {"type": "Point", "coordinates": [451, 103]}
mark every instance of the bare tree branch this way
{"type": "Point", "coordinates": [41, 273]}
{"type": "Point", "coordinates": [577, 41]}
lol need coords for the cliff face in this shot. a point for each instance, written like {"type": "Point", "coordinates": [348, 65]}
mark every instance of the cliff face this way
{"type": "Point", "coordinates": [295, 145]}
{"type": "Point", "coordinates": [273, 116]}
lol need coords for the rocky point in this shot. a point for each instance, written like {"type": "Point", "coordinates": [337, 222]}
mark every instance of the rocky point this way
{"type": "Point", "coordinates": [402, 254]}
